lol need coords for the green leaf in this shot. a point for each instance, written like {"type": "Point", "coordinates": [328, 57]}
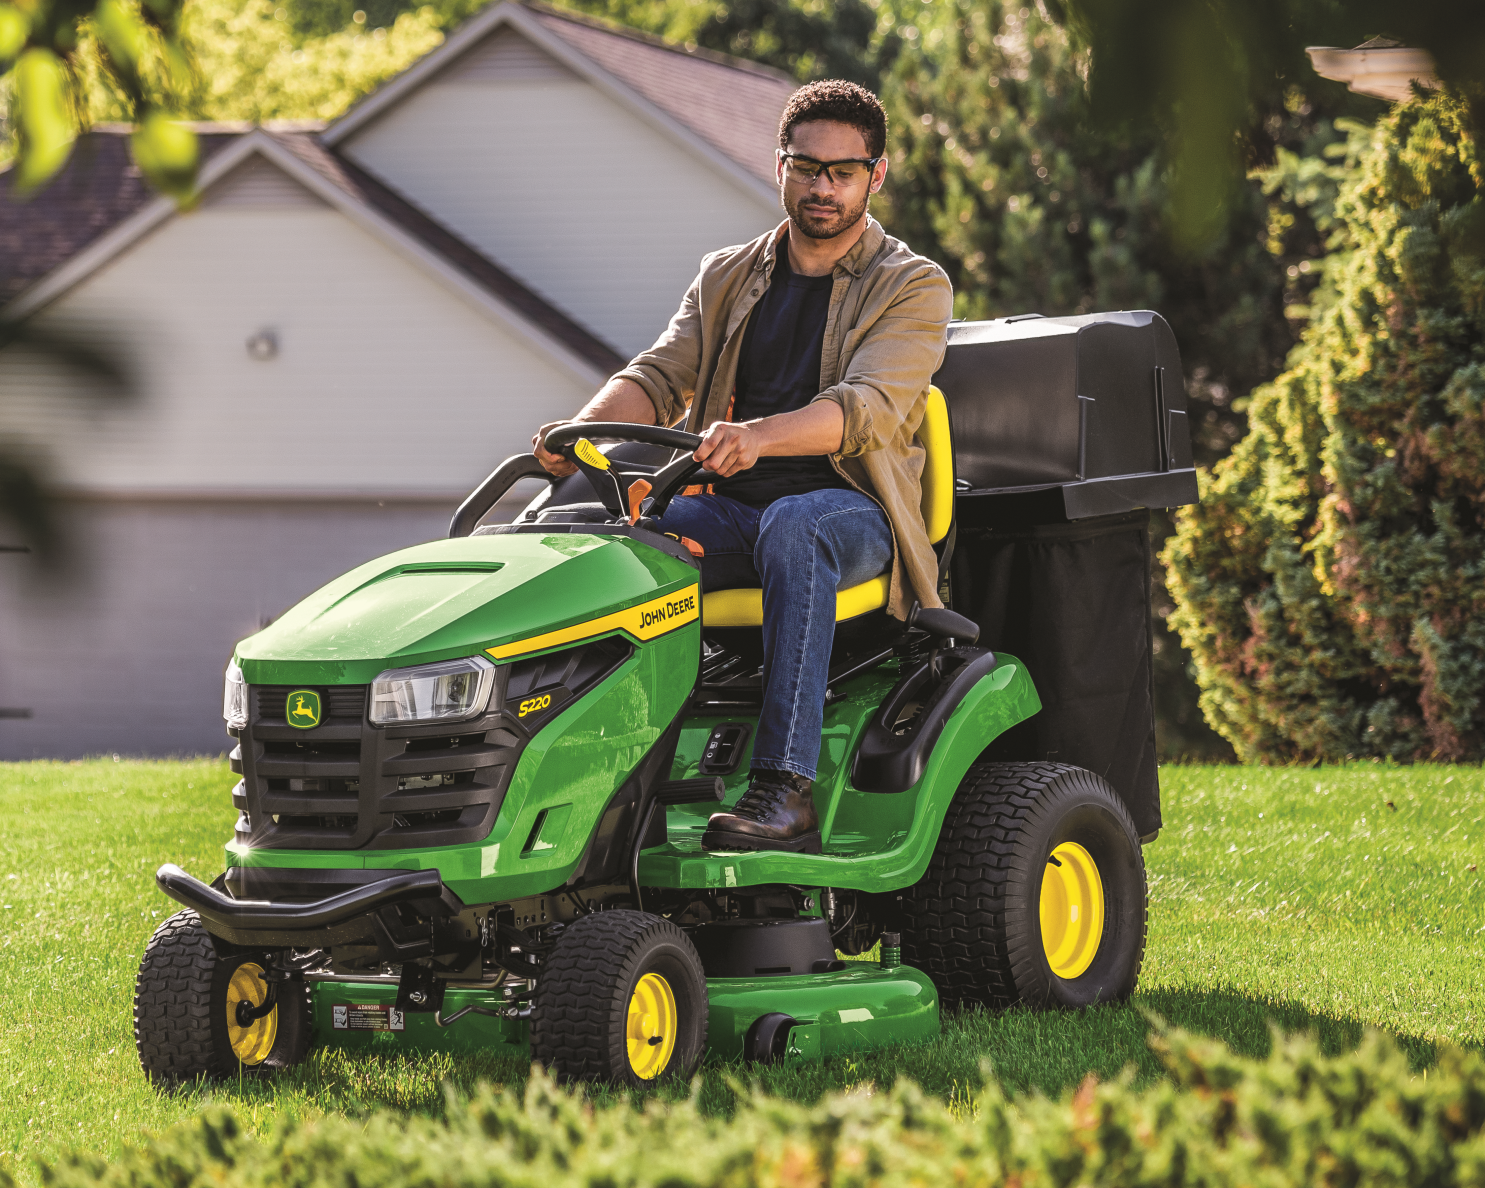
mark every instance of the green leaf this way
{"type": "Point", "coordinates": [167, 152]}
{"type": "Point", "coordinates": [14, 29]}
{"type": "Point", "coordinates": [122, 33]}
{"type": "Point", "coordinates": [42, 118]}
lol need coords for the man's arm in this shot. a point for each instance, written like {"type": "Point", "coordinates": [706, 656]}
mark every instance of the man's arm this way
{"type": "Point", "coordinates": [886, 375]}
{"type": "Point", "coordinates": [730, 447]}
{"type": "Point", "coordinates": [893, 363]}
{"type": "Point", "coordinates": [618, 400]}
{"type": "Point", "coordinates": [656, 387]}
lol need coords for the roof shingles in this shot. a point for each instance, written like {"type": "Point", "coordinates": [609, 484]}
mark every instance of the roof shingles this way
{"type": "Point", "coordinates": [98, 188]}
{"type": "Point", "coordinates": [731, 104]}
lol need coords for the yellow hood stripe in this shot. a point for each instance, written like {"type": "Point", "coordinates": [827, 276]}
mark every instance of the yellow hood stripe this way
{"type": "Point", "coordinates": [643, 622]}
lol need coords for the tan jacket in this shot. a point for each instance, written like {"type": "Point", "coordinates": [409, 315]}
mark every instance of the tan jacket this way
{"type": "Point", "coordinates": [884, 339]}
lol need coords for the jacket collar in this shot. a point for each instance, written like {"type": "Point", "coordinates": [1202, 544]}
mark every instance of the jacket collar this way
{"type": "Point", "coordinates": [855, 261]}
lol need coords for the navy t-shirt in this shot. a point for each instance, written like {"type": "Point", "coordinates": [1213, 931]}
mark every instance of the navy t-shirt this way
{"type": "Point", "coordinates": [778, 372]}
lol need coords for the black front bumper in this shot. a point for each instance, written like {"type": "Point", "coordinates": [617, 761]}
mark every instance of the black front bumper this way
{"type": "Point", "coordinates": [398, 913]}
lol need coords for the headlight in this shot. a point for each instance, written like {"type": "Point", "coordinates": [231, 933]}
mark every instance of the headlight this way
{"type": "Point", "coordinates": [449, 691]}
{"type": "Point", "coordinates": [235, 698]}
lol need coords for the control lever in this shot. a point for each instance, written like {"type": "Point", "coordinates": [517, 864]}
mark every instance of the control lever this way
{"type": "Point", "coordinates": [944, 623]}
{"type": "Point", "coordinates": [946, 627]}
{"type": "Point", "coordinates": [638, 489]}
{"type": "Point", "coordinates": [705, 790]}
{"type": "Point", "coordinates": [599, 472]}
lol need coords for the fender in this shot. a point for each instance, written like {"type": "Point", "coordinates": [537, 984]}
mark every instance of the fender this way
{"type": "Point", "coordinates": [997, 702]}
{"type": "Point", "coordinates": [893, 761]}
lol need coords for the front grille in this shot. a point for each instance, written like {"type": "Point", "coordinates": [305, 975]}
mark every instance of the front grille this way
{"type": "Point", "coordinates": [342, 703]}
{"type": "Point", "coordinates": [345, 784]}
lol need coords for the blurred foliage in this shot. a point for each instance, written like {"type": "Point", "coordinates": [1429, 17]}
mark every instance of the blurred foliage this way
{"type": "Point", "coordinates": [1205, 76]}
{"type": "Point", "coordinates": [252, 69]}
{"type": "Point", "coordinates": [804, 38]}
{"type": "Point", "coordinates": [25, 510]}
{"type": "Point", "coordinates": [1219, 1121]}
{"type": "Point", "coordinates": [1331, 585]}
{"type": "Point", "coordinates": [253, 66]}
{"type": "Point", "coordinates": [49, 49]}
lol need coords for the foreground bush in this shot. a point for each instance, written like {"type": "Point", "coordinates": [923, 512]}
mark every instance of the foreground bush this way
{"type": "Point", "coordinates": [1297, 1118]}
{"type": "Point", "coordinates": [1331, 586]}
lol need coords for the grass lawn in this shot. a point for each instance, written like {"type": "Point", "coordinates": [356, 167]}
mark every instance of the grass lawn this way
{"type": "Point", "coordinates": [1329, 899]}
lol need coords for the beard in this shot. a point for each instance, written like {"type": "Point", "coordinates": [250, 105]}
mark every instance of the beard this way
{"type": "Point", "coordinates": [829, 226]}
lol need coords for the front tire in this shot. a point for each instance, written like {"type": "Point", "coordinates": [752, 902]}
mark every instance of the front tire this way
{"type": "Point", "coordinates": [196, 1008]}
{"type": "Point", "coordinates": [622, 999]}
{"type": "Point", "coordinates": [1036, 892]}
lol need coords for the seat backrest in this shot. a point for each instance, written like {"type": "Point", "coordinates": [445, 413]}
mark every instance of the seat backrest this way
{"type": "Point", "coordinates": [938, 469]}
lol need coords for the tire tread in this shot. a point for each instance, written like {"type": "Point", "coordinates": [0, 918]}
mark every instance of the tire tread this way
{"type": "Point", "coordinates": [958, 929]}
{"type": "Point", "coordinates": [576, 1030]}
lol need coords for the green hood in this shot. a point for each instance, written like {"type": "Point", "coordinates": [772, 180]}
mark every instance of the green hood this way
{"type": "Point", "coordinates": [452, 598]}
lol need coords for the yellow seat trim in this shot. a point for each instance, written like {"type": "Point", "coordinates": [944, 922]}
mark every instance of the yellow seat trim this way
{"type": "Point", "coordinates": [938, 469]}
{"type": "Point", "coordinates": [744, 608]}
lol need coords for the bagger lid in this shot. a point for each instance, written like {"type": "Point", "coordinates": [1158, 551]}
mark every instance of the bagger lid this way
{"type": "Point", "coordinates": [1090, 409]}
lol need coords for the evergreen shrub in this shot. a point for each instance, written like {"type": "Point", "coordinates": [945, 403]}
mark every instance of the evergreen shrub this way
{"type": "Point", "coordinates": [1296, 1118]}
{"type": "Point", "coordinates": [1331, 585]}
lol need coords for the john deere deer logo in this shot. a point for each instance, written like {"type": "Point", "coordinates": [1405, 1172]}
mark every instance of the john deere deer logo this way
{"type": "Point", "coordinates": [303, 708]}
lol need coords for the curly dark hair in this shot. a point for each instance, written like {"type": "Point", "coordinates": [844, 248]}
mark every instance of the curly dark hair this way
{"type": "Point", "coordinates": [841, 101]}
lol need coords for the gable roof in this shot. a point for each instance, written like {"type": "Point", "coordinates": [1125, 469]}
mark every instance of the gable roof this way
{"type": "Point", "coordinates": [45, 274]}
{"type": "Point", "coordinates": [97, 189]}
{"type": "Point", "coordinates": [723, 109]}
{"type": "Point", "coordinates": [732, 104]}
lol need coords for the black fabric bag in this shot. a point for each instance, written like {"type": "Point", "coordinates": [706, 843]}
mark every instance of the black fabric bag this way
{"type": "Point", "coordinates": [1073, 602]}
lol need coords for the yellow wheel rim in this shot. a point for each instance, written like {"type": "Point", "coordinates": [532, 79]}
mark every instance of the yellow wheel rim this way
{"type": "Point", "coordinates": [250, 1044]}
{"type": "Point", "coordinates": [1071, 910]}
{"type": "Point", "coordinates": [651, 1026]}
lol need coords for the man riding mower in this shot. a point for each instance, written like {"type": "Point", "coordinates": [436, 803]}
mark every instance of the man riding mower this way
{"type": "Point", "coordinates": [619, 781]}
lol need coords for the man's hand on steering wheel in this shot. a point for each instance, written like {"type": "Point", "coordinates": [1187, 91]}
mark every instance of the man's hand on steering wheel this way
{"type": "Point", "coordinates": [554, 464]}
{"type": "Point", "coordinates": [728, 448]}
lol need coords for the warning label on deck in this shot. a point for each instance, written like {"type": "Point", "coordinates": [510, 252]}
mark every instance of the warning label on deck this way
{"type": "Point", "coordinates": [367, 1016]}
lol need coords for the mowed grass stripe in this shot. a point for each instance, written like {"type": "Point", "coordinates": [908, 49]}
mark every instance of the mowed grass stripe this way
{"type": "Point", "coordinates": [1292, 896]}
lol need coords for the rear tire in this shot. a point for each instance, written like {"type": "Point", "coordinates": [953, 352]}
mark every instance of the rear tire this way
{"type": "Point", "coordinates": [621, 998]}
{"type": "Point", "coordinates": [975, 919]}
{"type": "Point", "coordinates": [185, 1008]}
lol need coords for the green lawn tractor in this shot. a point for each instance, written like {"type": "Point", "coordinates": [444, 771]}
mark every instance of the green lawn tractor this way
{"type": "Point", "coordinates": [476, 772]}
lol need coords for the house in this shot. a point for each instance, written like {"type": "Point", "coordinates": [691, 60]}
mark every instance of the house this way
{"type": "Point", "coordinates": [353, 326]}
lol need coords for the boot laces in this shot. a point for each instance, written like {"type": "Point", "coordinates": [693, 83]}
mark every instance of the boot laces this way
{"type": "Point", "coordinates": [760, 801]}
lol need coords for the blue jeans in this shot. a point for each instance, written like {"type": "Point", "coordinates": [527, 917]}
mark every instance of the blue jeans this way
{"type": "Point", "coordinates": [804, 548]}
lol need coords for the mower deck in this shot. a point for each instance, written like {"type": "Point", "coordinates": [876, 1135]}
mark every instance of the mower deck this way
{"type": "Point", "coordinates": [859, 1007]}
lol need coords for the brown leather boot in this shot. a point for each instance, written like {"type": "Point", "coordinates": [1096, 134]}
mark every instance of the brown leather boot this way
{"type": "Point", "coordinates": [777, 812]}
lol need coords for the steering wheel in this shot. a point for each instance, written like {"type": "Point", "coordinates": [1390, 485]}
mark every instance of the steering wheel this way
{"type": "Point", "coordinates": [624, 488]}
{"type": "Point", "coordinates": [627, 490]}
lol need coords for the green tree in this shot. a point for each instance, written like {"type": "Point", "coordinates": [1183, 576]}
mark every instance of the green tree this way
{"type": "Point", "coordinates": [1331, 585]}
{"type": "Point", "coordinates": [251, 65]}
{"type": "Point", "coordinates": [805, 38]}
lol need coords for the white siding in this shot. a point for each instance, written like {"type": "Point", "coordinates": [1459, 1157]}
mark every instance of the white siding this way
{"type": "Point", "coordinates": [259, 184]}
{"type": "Point", "coordinates": [124, 649]}
{"type": "Point", "coordinates": [601, 213]}
{"type": "Point", "coordinates": [506, 56]}
{"type": "Point", "coordinates": [385, 381]}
